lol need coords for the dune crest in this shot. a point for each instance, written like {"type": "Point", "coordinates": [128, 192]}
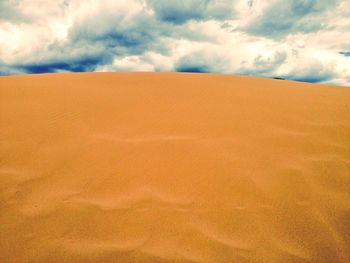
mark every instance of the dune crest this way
{"type": "Point", "coordinates": [172, 167]}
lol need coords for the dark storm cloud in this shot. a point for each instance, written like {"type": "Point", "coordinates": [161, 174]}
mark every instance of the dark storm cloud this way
{"type": "Point", "coordinates": [98, 40]}
{"type": "Point", "coordinates": [75, 56]}
{"type": "Point", "coordinates": [312, 78]}
{"type": "Point", "coordinates": [6, 69]}
{"type": "Point", "coordinates": [151, 30]}
{"type": "Point", "coordinates": [80, 65]}
{"type": "Point", "coordinates": [315, 73]}
{"type": "Point", "coordinates": [201, 62]}
{"type": "Point", "coordinates": [180, 11]}
{"type": "Point", "coordinates": [122, 35]}
{"type": "Point", "coordinates": [285, 17]}
{"type": "Point", "coordinates": [193, 68]}
{"type": "Point", "coordinates": [346, 54]}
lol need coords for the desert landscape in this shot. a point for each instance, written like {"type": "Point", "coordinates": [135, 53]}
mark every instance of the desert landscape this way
{"type": "Point", "coordinates": [173, 167]}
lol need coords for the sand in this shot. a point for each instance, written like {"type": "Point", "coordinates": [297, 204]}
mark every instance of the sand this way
{"type": "Point", "coordinates": [173, 167]}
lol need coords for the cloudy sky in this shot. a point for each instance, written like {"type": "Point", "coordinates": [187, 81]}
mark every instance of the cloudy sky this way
{"type": "Point", "coordinates": [304, 40]}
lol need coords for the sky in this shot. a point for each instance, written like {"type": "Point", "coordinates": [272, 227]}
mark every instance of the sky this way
{"type": "Point", "coordinates": [302, 40]}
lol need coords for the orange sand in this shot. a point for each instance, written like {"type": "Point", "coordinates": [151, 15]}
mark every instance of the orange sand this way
{"type": "Point", "coordinates": [170, 167]}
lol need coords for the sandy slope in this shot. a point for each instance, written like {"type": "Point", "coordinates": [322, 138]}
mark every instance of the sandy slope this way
{"type": "Point", "coordinates": [149, 167]}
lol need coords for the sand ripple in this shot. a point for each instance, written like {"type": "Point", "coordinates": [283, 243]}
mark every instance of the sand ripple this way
{"type": "Point", "coordinates": [173, 168]}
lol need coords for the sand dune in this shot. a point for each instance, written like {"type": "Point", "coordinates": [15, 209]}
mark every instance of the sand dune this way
{"type": "Point", "coordinates": [170, 167]}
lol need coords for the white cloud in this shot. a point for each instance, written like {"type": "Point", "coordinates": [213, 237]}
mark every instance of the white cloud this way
{"type": "Point", "coordinates": [296, 39]}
